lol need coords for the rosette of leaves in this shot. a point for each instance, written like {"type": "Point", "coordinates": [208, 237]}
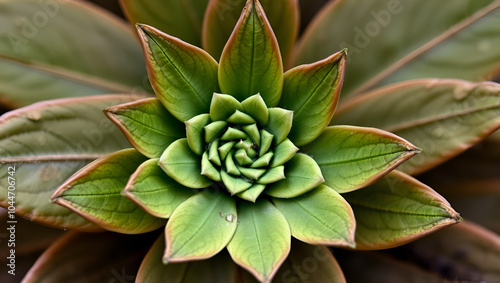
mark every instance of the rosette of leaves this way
{"type": "Point", "coordinates": [126, 191]}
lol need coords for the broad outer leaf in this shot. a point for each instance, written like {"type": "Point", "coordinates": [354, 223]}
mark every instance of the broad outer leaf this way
{"type": "Point", "coordinates": [48, 142]}
{"type": "Point", "coordinates": [351, 158]}
{"type": "Point", "coordinates": [222, 15]}
{"type": "Point", "coordinates": [151, 189]}
{"type": "Point", "coordinates": [183, 165]}
{"type": "Point", "coordinates": [471, 252]}
{"type": "Point", "coordinates": [251, 61]}
{"type": "Point", "coordinates": [200, 227]}
{"type": "Point", "coordinates": [56, 49]}
{"type": "Point", "coordinates": [319, 217]}
{"type": "Point", "coordinates": [311, 264]}
{"type": "Point", "coordinates": [262, 239]}
{"type": "Point", "coordinates": [94, 192]}
{"type": "Point", "coordinates": [218, 269]}
{"type": "Point", "coordinates": [396, 210]}
{"type": "Point", "coordinates": [312, 92]}
{"type": "Point", "coordinates": [182, 19]}
{"type": "Point", "coordinates": [148, 126]}
{"type": "Point", "coordinates": [387, 35]}
{"type": "Point", "coordinates": [302, 174]}
{"type": "Point", "coordinates": [443, 117]}
{"type": "Point", "coordinates": [183, 76]}
{"type": "Point", "coordinates": [91, 257]}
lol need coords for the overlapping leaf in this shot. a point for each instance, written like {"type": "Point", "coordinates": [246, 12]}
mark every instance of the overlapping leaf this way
{"type": "Point", "coordinates": [95, 192]}
{"type": "Point", "coordinates": [48, 142]}
{"type": "Point", "coordinates": [56, 49]}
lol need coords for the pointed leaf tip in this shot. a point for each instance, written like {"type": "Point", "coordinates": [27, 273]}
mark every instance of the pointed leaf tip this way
{"type": "Point", "coordinates": [251, 61]}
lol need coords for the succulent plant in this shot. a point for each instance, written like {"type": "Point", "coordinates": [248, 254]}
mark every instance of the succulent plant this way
{"type": "Point", "coordinates": [238, 150]}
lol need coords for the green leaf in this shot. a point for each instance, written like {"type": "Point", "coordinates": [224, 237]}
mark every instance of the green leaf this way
{"type": "Point", "coordinates": [380, 43]}
{"type": "Point", "coordinates": [319, 217]}
{"type": "Point", "coordinates": [302, 174]}
{"type": "Point", "coordinates": [148, 126]}
{"type": "Point", "coordinates": [262, 239]}
{"type": "Point", "coordinates": [272, 175]}
{"type": "Point", "coordinates": [95, 193]}
{"type": "Point", "coordinates": [312, 93]}
{"type": "Point", "coordinates": [183, 165]}
{"type": "Point", "coordinates": [182, 19]}
{"type": "Point", "coordinates": [280, 123]}
{"type": "Point", "coordinates": [219, 268]}
{"type": "Point", "coordinates": [354, 157]}
{"type": "Point", "coordinates": [252, 193]}
{"type": "Point", "coordinates": [101, 257]}
{"type": "Point", "coordinates": [183, 76]}
{"type": "Point", "coordinates": [151, 189]}
{"type": "Point", "coordinates": [283, 152]}
{"type": "Point", "coordinates": [234, 185]}
{"type": "Point", "coordinates": [451, 116]}
{"type": "Point", "coordinates": [311, 264]}
{"type": "Point", "coordinates": [196, 136]}
{"type": "Point", "coordinates": [200, 227]}
{"type": "Point", "coordinates": [208, 169]}
{"type": "Point", "coordinates": [48, 142]}
{"type": "Point", "coordinates": [257, 108]}
{"type": "Point", "coordinates": [56, 49]}
{"type": "Point", "coordinates": [222, 15]}
{"type": "Point", "coordinates": [223, 106]}
{"type": "Point", "coordinates": [396, 210]}
{"type": "Point", "coordinates": [251, 61]}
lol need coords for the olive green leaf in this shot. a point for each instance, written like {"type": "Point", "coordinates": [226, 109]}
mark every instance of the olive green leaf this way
{"type": "Point", "coordinates": [302, 175]}
{"type": "Point", "coordinates": [320, 216]}
{"type": "Point", "coordinates": [148, 126]}
{"type": "Point", "coordinates": [195, 132]}
{"type": "Point", "coordinates": [354, 157]}
{"type": "Point", "coordinates": [262, 239]}
{"type": "Point", "coordinates": [222, 15]}
{"type": "Point", "coordinates": [257, 108]}
{"type": "Point", "coordinates": [398, 40]}
{"type": "Point", "coordinates": [279, 124]}
{"type": "Point", "coordinates": [223, 106]}
{"type": "Point", "coordinates": [95, 192]}
{"type": "Point", "coordinates": [116, 252]}
{"type": "Point", "coordinates": [252, 193]}
{"type": "Point", "coordinates": [311, 264]}
{"type": "Point", "coordinates": [56, 49]}
{"type": "Point", "coordinates": [452, 116]}
{"type": "Point", "coordinates": [312, 92]}
{"type": "Point", "coordinates": [182, 19]}
{"type": "Point", "coordinates": [218, 269]}
{"type": "Point", "coordinates": [251, 61]}
{"type": "Point", "coordinates": [396, 210]}
{"type": "Point", "coordinates": [151, 189]}
{"type": "Point", "coordinates": [183, 165]}
{"type": "Point", "coordinates": [47, 142]}
{"type": "Point", "coordinates": [200, 227]}
{"type": "Point", "coordinates": [183, 76]}
{"type": "Point", "coordinates": [479, 249]}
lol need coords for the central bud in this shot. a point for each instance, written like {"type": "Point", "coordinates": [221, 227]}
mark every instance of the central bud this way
{"type": "Point", "coordinates": [243, 145]}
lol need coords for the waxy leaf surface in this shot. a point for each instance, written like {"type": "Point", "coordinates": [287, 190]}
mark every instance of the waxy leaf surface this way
{"type": "Point", "coordinates": [396, 210]}
{"type": "Point", "coordinates": [200, 227]}
{"type": "Point", "coordinates": [222, 15]}
{"type": "Point", "coordinates": [48, 142]}
{"type": "Point", "coordinates": [148, 126]}
{"type": "Point", "coordinates": [443, 117]}
{"type": "Point", "coordinates": [319, 217]}
{"type": "Point", "coordinates": [182, 19]}
{"type": "Point", "coordinates": [384, 37]}
{"type": "Point", "coordinates": [262, 239]}
{"type": "Point", "coordinates": [183, 76]}
{"type": "Point", "coordinates": [218, 269]}
{"type": "Point", "coordinates": [312, 92]}
{"type": "Point", "coordinates": [251, 61]}
{"type": "Point", "coordinates": [352, 157]}
{"type": "Point", "coordinates": [56, 49]}
{"type": "Point", "coordinates": [154, 191]}
{"type": "Point", "coordinates": [95, 192]}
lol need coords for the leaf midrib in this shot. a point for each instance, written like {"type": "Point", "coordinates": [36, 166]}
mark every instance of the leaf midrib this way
{"type": "Point", "coordinates": [332, 163]}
